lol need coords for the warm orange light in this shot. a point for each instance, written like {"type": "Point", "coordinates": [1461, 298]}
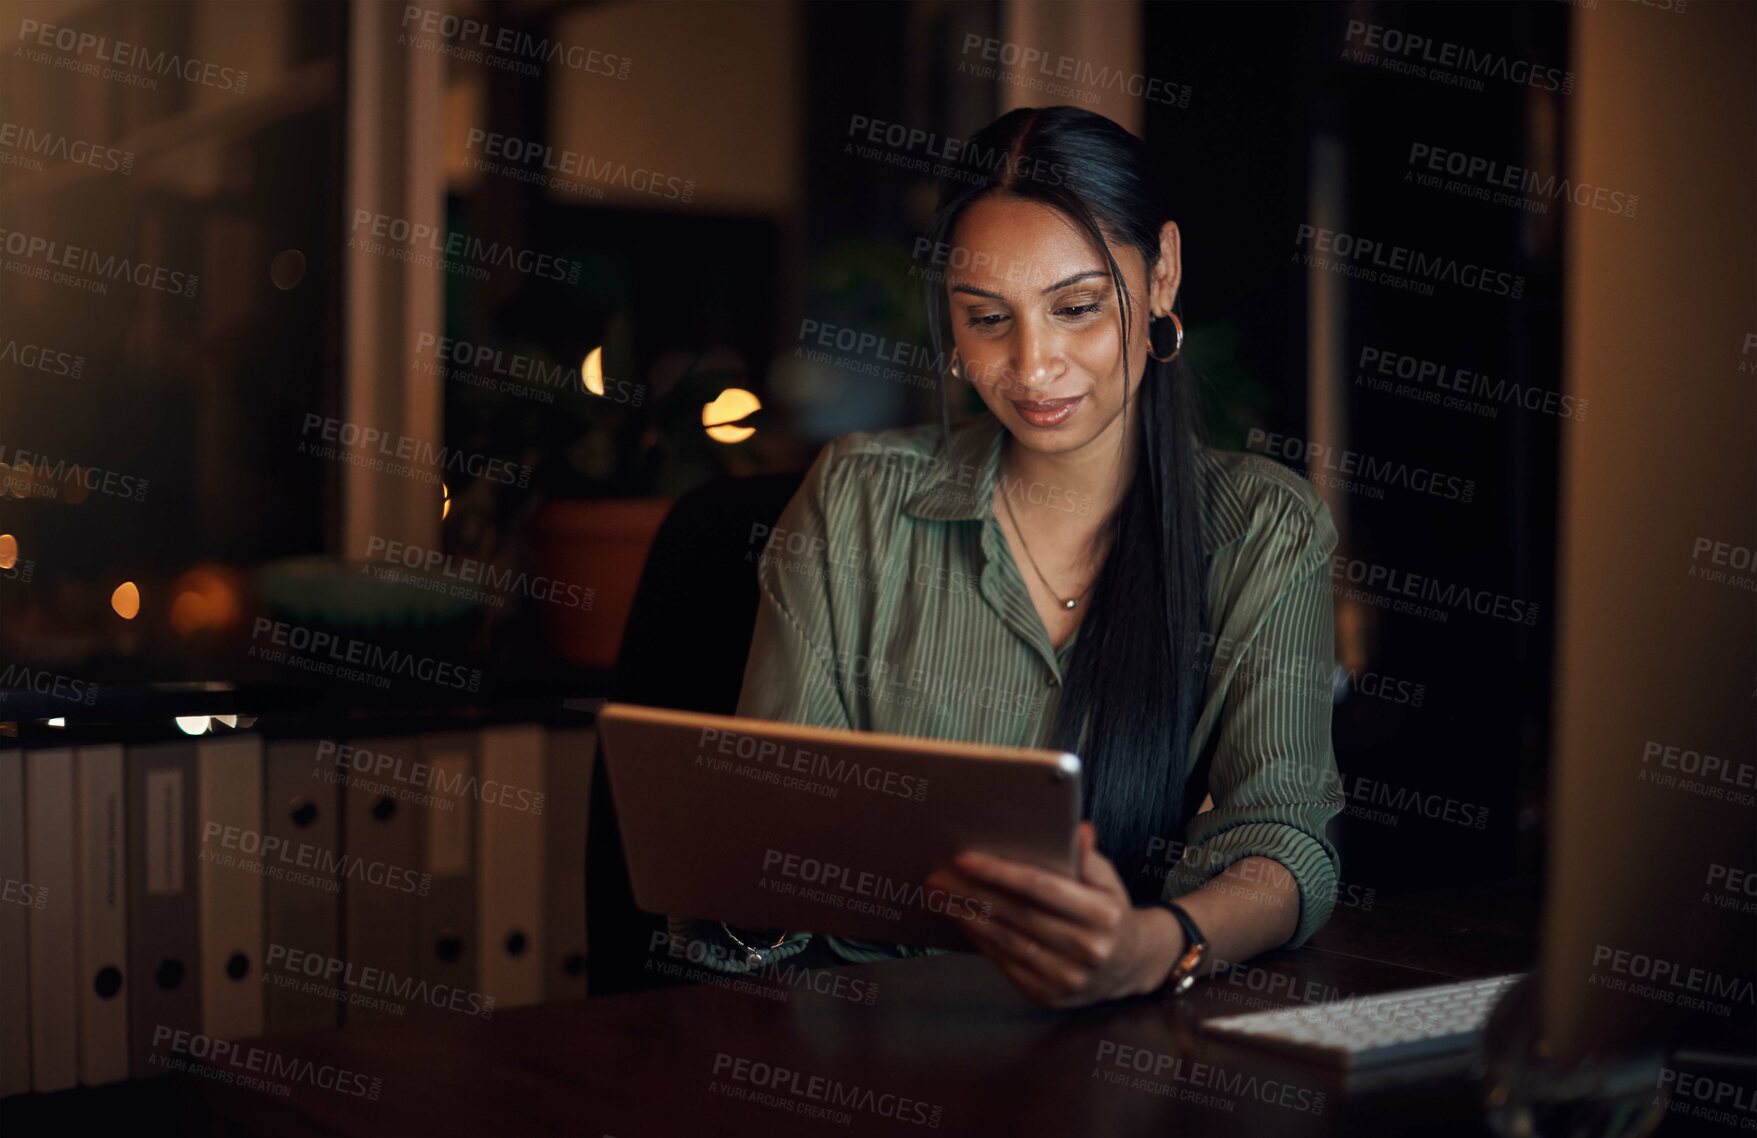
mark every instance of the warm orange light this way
{"type": "Point", "coordinates": [209, 597]}
{"type": "Point", "coordinates": [444, 501]}
{"type": "Point", "coordinates": [592, 371]}
{"type": "Point", "coordinates": [126, 600]}
{"type": "Point", "coordinates": [731, 405]}
{"type": "Point", "coordinates": [8, 551]}
{"type": "Point", "coordinates": [22, 481]}
{"type": "Point", "coordinates": [188, 612]}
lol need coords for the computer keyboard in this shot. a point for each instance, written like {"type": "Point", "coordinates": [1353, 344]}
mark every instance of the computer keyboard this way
{"type": "Point", "coordinates": [1371, 1031]}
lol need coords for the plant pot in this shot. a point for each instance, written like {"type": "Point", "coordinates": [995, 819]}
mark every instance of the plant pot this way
{"type": "Point", "coordinates": [601, 545]}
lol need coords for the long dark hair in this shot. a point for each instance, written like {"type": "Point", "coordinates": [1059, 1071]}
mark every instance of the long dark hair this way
{"type": "Point", "coordinates": [1129, 699]}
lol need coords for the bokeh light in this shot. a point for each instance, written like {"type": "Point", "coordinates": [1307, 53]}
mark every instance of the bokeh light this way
{"type": "Point", "coordinates": [592, 371]}
{"type": "Point", "coordinates": [731, 405]}
{"type": "Point", "coordinates": [209, 598]}
{"type": "Point", "coordinates": [126, 600]}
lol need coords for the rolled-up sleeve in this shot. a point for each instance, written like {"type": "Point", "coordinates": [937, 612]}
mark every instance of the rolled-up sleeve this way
{"type": "Point", "coordinates": [1273, 773]}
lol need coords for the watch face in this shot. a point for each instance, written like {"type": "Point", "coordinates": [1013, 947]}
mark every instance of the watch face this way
{"type": "Point", "coordinates": [1186, 968]}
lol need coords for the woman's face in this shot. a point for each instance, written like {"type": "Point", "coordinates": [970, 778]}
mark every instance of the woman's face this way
{"type": "Point", "coordinates": [1037, 323]}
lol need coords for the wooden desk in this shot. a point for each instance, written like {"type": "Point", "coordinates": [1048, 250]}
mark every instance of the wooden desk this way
{"type": "Point", "coordinates": [944, 1040]}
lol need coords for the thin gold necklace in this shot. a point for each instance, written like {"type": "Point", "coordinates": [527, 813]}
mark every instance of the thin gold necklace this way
{"type": "Point", "coordinates": [755, 956]}
{"type": "Point", "coordinates": [1065, 602]}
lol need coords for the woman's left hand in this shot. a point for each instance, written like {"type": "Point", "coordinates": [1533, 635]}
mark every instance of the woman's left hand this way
{"type": "Point", "coordinates": [1063, 942]}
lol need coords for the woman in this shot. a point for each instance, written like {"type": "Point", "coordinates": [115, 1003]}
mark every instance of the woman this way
{"type": "Point", "coordinates": [1071, 569]}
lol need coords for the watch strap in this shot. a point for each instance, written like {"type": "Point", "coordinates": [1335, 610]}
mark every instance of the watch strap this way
{"type": "Point", "coordinates": [1183, 972]}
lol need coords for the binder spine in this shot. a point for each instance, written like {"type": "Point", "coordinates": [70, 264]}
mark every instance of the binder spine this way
{"type": "Point", "coordinates": [567, 802]}
{"type": "Point", "coordinates": [103, 917]}
{"type": "Point", "coordinates": [164, 934]}
{"type": "Point", "coordinates": [235, 860]}
{"type": "Point", "coordinates": [446, 951]}
{"type": "Point", "coordinates": [510, 864]}
{"type": "Point", "coordinates": [49, 861]}
{"type": "Point", "coordinates": [18, 895]}
{"type": "Point", "coordinates": [380, 810]}
{"type": "Point", "coordinates": [302, 809]}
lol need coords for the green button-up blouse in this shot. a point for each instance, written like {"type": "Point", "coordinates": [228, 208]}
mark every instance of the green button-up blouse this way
{"type": "Point", "coordinates": [890, 601]}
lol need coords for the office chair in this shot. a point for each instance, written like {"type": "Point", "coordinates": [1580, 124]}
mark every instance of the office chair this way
{"type": "Point", "coordinates": [684, 648]}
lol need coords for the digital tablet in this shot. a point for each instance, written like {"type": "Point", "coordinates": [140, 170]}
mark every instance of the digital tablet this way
{"type": "Point", "coordinates": [774, 825]}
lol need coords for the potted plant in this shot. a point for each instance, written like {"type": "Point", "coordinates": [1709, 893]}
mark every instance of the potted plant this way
{"type": "Point", "coordinates": [606, 455]}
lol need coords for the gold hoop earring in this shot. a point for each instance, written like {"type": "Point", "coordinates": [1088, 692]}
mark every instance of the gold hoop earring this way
{"type": "Point", "coordinates": [954, 368]}
{"type": "Point", "coordinates": [1178, 347]}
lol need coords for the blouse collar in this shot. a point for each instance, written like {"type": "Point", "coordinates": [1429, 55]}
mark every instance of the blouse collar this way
{"type": "Point", "coordinates": [960, 483]}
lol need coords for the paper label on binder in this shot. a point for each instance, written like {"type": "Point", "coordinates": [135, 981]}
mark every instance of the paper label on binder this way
{"type": "Point", "coordinates": [164, 833]}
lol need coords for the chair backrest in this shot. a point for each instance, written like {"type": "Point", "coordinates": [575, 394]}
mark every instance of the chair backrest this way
{"type": "Point", "coordinates": [684, 647]}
